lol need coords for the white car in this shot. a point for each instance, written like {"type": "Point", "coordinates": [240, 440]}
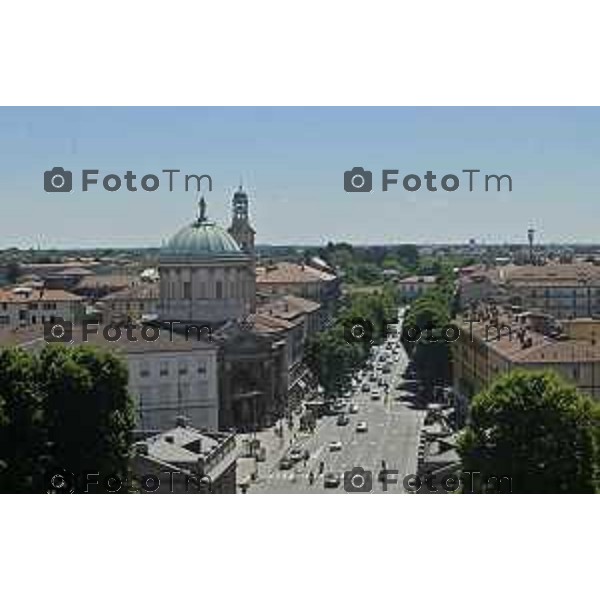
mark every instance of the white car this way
{"type": "Point", "coordinates": [375, 395]}
{"type": "Point", "coordinates": [335, 446]}
{"type": "Point", "coordinates": [362, 427]}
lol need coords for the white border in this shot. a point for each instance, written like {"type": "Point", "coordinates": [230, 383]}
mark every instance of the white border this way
{"type": "Point", "coordinates": [299, 53]}
{"type": "Point", "coordinates": [314, 52]}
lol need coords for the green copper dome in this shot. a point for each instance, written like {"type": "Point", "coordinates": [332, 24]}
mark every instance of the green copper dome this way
{"type": "Point", "coordinates": [202, 238]}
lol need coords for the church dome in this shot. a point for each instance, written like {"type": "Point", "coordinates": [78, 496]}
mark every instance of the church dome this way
{"type": "Point", "coordinates": [202, 238]}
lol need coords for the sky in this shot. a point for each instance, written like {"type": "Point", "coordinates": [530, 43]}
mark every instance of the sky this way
{"type": "Point", "coordinates": [292, 163]}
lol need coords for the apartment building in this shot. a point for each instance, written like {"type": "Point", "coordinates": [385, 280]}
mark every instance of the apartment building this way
{"type": "Point", "coordinates": [285, 278]}
{"type": "Point", "coordinates": [414, 286]}
{"type": "Point", "coordinates": [24, 306]}
{"type": "Point", "coordinates": [565, 291]}
{"type": "Point", "coordinates": [501, 341]}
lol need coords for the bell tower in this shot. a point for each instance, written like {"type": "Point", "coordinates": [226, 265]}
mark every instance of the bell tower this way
{"type": "Point", "coordinates": [241, 230]}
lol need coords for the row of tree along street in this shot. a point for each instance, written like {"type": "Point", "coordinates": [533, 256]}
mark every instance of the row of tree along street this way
{"type": "Point", "coordinates": [329, 354]}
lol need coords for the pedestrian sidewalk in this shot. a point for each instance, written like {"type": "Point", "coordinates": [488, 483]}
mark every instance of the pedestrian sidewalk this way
{"type": "Point", "coordinates": [275, 448]}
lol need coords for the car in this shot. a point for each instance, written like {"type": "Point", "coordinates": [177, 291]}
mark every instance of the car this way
{"type": "Point", "coordinates": [335, 446]}
{"type": "Point", "coordinates": [365, 387]}
{"type": "Point", "coordinates": [343, 420]}
{"type": "Point", "coordinates": [373, 377]}
{"type": "Point", "coordinates": [285, 464]}
{"type": "Point", "coordinates": [331, 480]}
{"type": "Point", "coordinates": [362, 427]}
{"type": "Point", "coordinates": [353, 409]}
{"type": "Point", "coordinates": [375, 395]}
{"type": "Point", "coordinates": [347, 394]}
{"type": "Point", "coordinates": [339, 405]}
{"type": "Point", "coordinates": [298, 454]}
{"type": "Point", "coordinates": [386, 369]}
{"type": "Point", "coordinates": [381, 382]}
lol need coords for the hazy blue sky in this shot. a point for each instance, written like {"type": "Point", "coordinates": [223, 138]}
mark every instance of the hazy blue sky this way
{"type": "Point", "coordinates": [292, 161]}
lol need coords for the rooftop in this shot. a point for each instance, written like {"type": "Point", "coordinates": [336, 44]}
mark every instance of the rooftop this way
{"type": "Point", "coordinates": [288, 307]}
{"type": "Point", "coordinates": [23, 294]}
{"type": "Point", "coordinates": [286, 272]}
{"type": "Point", "coordinates": [33, 338]}
{"type": "Point", "coordinates": [419, 279]}
{"type": "Point", "coordinates": [522, 343]}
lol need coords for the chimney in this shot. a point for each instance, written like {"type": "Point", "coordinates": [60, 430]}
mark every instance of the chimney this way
{"type": "Point", "coordinates": [181, 421]}
{"type": "Point", "coordinates": [141, 448]}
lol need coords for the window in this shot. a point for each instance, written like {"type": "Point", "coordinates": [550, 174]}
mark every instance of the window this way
{"type": "Point", "coordinates": [144, 371]}
{"type": "Point", "coordinates": [164, 369]}
{"type": "Point", "coordinates": [187, 290]}
{"type": "Point", "coordinates": [219, 289]}
{"type": "Point", "coordinates": [4, 320]}
{"type": "Point", "coordinates": [183, 369]}
{"type": "Point", "coordinates": [202, 368]}
{"type": "Point", "coordinates": [33, 306]}
{"type": "Point", "coordinates": [33, 320]}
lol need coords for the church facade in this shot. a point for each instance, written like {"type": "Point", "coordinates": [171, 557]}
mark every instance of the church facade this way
{"type": "Point", "coordinates": [208, 278]}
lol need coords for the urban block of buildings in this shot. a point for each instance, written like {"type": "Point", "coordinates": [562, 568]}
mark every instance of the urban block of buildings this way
{"type": "Point", "coordinates": [232, 357]}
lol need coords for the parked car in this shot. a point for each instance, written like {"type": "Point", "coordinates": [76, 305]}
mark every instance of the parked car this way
{"type": "Point", "coordinates": [335, 446]}
{"type": "Point", "coordinates": [362, 427]}
{"type": "Point", "coordinates": [375, 395]}
{"type": "Point", "coordinates": [365, 387]}
{"type": "Point", "coordinates": [353, 409]}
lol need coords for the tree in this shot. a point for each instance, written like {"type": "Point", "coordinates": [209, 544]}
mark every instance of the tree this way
{"type": "Point", "coordinates": [88, 411]}
{"type": "Point", "coordinates": [22, 440]}
{"type": "Point", "coordinates": [67, 408]}
{"type": "Point", "coordinates": [536, 429]}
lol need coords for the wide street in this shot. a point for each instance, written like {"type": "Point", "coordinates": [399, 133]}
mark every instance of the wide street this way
{"type": "Point", "coordinates": [393, 427]}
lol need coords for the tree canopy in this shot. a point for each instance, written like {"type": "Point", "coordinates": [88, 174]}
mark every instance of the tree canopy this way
{"type": "Point", "coordinates": [66, 408]}
{"type": "Point", "coordinates": [536, 429]}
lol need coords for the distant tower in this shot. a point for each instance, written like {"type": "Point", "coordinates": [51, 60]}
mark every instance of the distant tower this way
{"type": "Point", "coordinates": [530, 234]}
{"type": "Point", "coordinates": [241, 230]}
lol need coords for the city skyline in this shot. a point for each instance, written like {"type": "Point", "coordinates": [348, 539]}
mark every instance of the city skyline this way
{"type": "Point", "coordinates": [292, 161]}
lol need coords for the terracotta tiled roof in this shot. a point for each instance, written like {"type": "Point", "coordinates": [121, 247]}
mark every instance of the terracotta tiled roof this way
{"type": "Point", "coordinates": [288, 307]}
{"type": "Point", "coordinates": [38, 295]}
{"type": "Point", "coordinates": [540, 348]}
{"type": "Point", "coordinates": [269, 324]}
{"type": "Point", "coordinates": [34, 336]}
{"type": "Point", "coordinates": [286, 272]}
